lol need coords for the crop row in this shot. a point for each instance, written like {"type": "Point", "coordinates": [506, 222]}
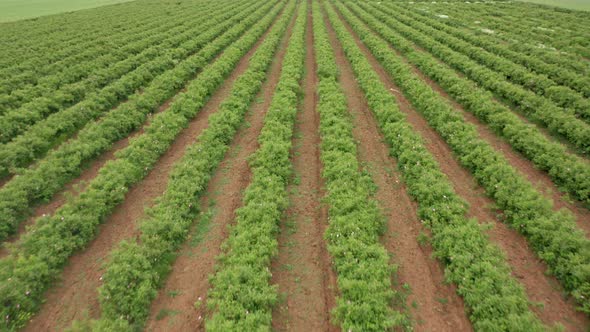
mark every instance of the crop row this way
{"type": "Point", "coordinates": [65, 163]}
{"type": "Point", "coordinates": [57, 76]}
{"type": "Point", "coordinates": [60, 56]}
{"type": "Point", "coordinates": [57, 127]}
{"type": "Point", "coordinates": [76, 81]}
{"type": "Point", "coordinates": [17, 121]}
{"type": "Point", "coordinates": [241, 295]}
{"type": "Point", "coordinates": [136, 269]}
{"type": "Point", "coordinates": [561, 23]}
{"type": "Point", "coordinates": [563, 20]}
{"type": "Point", "coordinates": [512, 22]}
{"type": "Point", "coordinates": [559, 74]}
{"type": "Point", "coordinates": [463, 18]}
{"type": "Point", "coordinates": [37, 258]}
{"type": "Point", "coordinates": [535, 107]}
{"type": "Point", "coordinates": [35, 41]}
{"type": "Point", "coordinates": [571, 23]}
{"type": "Point", "coordinates": [574, 42]}
{"type": "Point", "coordinates": [23, 75]}
{"type": "Point", "coordinates": [495, 300]}
{"type": "Point", "coordinates": [562, 96]}
{"type": "Point", "coordinates": [361, 262]}
{"type": "Point", "coordinates": [554, 236]}
{"type": "Point", "coordinates": [568, 171]}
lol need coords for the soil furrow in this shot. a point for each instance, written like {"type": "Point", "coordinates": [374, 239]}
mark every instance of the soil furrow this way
{"type": "Point", "coordinates": [81, 277]}
{"type": "Point", "coordinates": [302, 270]}
{"type": "Point", "coordinates": [181, 303]}
{"type": "Point", "coordinates": [435, 306]}
{"type": "Point", "coordinates": [529, 270]}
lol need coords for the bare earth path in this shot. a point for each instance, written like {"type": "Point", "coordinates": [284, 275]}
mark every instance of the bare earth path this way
{"type": "Point", "coordinates": [302, 270]}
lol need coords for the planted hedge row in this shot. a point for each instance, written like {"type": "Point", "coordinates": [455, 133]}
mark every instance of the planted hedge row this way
{"type": "Point", "coordinates": [535, 107]}
{"type": "Point", "coordinates": [559, 74]}
{"type": "Point", "coordinates": [496, 301]}
{"type": "Point", "coordinates": [135, 270]}
{"type": "Point", "coordinates": [38, 257]}
{"type": "Point", "coordinates": [54, 129]}
{"type": "Point", "coordinates": [78, 80]}
{"type": "Point", "coordinates": [240, 294]}
{"type": "Point", "coordinates": [568, 171]}
{"type": "Point", "coordinates": [355, 225]}
{"type": "Point", "coordinates": [563, 96]}
{"type": "Point", "coordinates": [554, 236]}
{"type": "Point", "coordinates": [65, 163]}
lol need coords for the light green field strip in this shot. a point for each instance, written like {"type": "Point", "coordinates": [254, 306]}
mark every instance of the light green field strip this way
{"type": "Point", "coordinates": [570, 4]}
{"type": "Point", "coordinates": [14, 10]}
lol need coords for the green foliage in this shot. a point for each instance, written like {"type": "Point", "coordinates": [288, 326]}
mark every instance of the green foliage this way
{"type": "Point", "coordinates": [554, 236]}
{"type": "Point", "coordinates": [42, 73]}
{"type": "Point", "coordinates": [169, 221]}
{"type": "Point", "coordinates": [569, 171]}
{"type": "Point", "coordinates": [423, 239]}
{"type": "Point", "coordinates": [53, 93]}
{"type": "Point", "coordinates": [241, 295]}
{"type": "Point", "coordinates": [564, 76]}
{"type": "Point", "coordinates": [355, 223]}
{"type": "Point", "coordinates": [65, 163]}
{"type": "Point", "coordinates": [152, 65]}
{"type": "Point", "coordinates": [495, 299]}
{"type": "Point", "coordinates": [569, 100]}
{"type": "Point", "coordinates": [39, 255]}
{"type": "Point", "coordinates": [537, 108]}
{"type": "Point", "coordinates": [553, 35]}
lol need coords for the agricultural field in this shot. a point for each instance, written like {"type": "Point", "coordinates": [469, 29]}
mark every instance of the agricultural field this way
{"type": "Point", "coordinates": [296, 165]}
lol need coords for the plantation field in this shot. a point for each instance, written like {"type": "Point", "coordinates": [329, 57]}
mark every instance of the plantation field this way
{"type": "Point", "coordinates": [13, 10]}
{"type": "Point", "coordinates": [296, 165]}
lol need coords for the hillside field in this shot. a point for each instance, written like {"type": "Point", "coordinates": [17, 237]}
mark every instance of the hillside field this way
{"type": "Point", "coordinates": [296, 165]}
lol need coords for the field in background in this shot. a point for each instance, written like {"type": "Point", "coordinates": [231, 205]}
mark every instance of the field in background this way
{"type": "Point", "coordinates": [13, 10]}
{"type": "Point", "coordinates": [571, 4]}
